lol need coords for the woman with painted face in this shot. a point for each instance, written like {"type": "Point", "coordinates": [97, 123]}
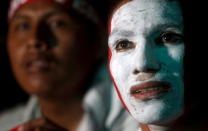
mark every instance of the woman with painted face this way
{"type": "Point", "coordinates": [146, 61]}
{"type": "Point", "coordinates": [53, 52]}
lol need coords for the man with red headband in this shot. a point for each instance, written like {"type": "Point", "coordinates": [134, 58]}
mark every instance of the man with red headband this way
{"type": "Point", "coordinates": [54, 48]}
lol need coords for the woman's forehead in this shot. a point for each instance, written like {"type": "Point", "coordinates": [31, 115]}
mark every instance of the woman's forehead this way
{"type": "Point", "coordinates": [144, 10]}
{"type": "Point", "coordinates": [142, 4]}
{"type": "Point", "coordinates": [117, 4]}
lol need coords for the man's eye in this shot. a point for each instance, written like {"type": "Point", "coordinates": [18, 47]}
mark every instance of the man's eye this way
{"type": "Point", "coordinates": [22, 26]}
{"type": "Point", "coordinates": [169, 38]}
{"type": "Point", "coordinates": [58, 24]}
{"type": "Point", "coordinates": [124, 45]}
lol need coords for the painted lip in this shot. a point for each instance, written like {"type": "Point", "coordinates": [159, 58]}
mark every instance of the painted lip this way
{"type": "Point", "coordinates": [149, 89]}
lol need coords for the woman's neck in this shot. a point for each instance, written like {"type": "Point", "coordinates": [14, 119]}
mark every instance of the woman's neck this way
{"type": "Point", "coordinates": [66, 112]}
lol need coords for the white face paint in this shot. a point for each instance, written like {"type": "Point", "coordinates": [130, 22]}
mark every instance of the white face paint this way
{"type": "Point", "coordinates": [146, 42]}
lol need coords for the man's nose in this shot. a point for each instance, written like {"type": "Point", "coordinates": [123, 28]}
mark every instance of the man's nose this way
{"type": "Point", "coordinates": [42, 37]}
{"type": "Point", "coordinates": [145, 60]}
{"type": "Point", "coordinates": [46, 34]}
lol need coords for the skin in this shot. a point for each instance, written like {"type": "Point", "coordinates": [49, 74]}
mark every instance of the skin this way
{"type": "Point", "coordinates": [150, 48]}
{"type": "Point", "coordinates": [47, 58]}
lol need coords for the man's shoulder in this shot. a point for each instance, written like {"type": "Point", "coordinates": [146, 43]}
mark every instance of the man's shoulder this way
{"type": "Point", "coordinates": [19, 114]}
{"type": "Point", "coordinates": [11, 117]}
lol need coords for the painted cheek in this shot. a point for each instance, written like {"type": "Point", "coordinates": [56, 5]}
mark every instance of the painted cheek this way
{"type": "Point", "coordinates": [177, 53]}
{"type": "Point", "coordinates": [116, 87]}
{"type": "Point", "coordinates": [175, 59]}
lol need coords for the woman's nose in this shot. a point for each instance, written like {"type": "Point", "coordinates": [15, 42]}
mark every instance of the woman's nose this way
{"type": "Point", "coordinates": [42, 37]}
{"type": "Point", "coordinates": [145, 59]}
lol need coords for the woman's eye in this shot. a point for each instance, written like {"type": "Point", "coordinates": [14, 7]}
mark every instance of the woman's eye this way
{"type": "Point", "coordinates": [124, 45]}
{"type": "Point", "coordinates": [169, 38]}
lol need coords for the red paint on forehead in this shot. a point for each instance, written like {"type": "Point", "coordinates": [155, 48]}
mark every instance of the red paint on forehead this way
{"type": "Point", "coordinates": [116, 87]}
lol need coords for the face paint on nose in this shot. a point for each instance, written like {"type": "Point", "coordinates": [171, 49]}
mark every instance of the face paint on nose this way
{"type": "Point", "coordinates": [145, 57]}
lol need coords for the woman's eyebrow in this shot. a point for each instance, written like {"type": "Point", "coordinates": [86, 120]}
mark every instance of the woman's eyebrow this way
{"type": "Point", "coordinates": [121, 32]}
{"type": "Point", "coordinates": [165, 27]}
{"type": "Point", "coordinates": [168, 25]}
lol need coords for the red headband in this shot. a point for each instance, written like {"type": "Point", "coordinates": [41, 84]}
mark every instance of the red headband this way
{"type": "Point", "coordinates": [79, 5]}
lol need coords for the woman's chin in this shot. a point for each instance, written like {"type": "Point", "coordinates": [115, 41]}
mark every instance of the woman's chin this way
{"type": "Point", "coordinates": [156, 118]}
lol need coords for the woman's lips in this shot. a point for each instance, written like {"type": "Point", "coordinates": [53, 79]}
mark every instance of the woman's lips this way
{"type": "Point", "coordinates": [147, 90]}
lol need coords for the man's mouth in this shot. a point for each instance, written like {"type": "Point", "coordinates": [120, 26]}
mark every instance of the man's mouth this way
{"type": "Point", "coordinates": [150, 89]}
{"type": "Point", "coordinates": [38, 64]}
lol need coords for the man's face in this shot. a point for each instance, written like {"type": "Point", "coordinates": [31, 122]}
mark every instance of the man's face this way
{"type": "Point", "coordinates": [46, 51]}
{"type": "Point", "coordinates": [146, 63]}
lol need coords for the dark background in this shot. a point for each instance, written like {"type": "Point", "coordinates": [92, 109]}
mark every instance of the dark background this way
{"type": "Point", "coordinates": [10, 93]}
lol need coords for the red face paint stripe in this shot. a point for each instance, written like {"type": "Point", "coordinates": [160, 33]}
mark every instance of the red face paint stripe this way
{"type": "Point", "coordinates": [119, 95]}
{"type": "Point", "coordinates": [109, 27]}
